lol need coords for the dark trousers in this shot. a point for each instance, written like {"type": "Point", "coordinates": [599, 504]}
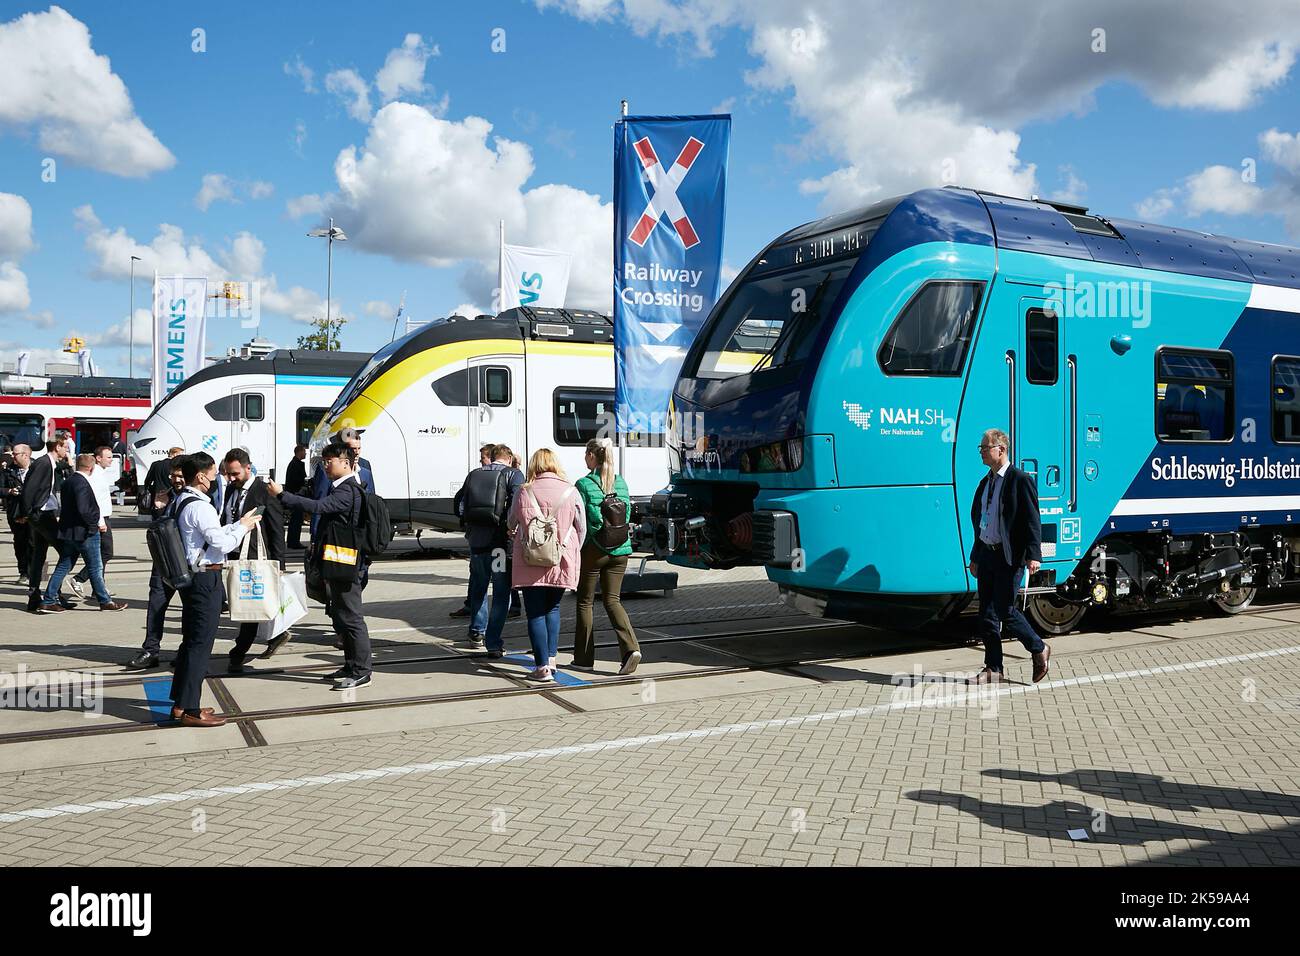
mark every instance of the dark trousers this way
{"type": "Point", "coordinates": [349, 620]}
{"type": "Point", "coordinates": [160, 595]}
{"type": "Point", "coordinates": [608, 570]}
{"type": "Point", "coordinates": [244, 642]}
{"type": "Point", "coordinates": [105, 552]}
{"type": "Point", "coordinates": [22, 546]}
{"type": "Point", "coordinates": [44, 529]}
{"type": "Point", "coordinates": [295, 528]}
{"type": "Point", "coordinates": [200, 615]}
{"type": "Point", "coordinates": [999, 583]}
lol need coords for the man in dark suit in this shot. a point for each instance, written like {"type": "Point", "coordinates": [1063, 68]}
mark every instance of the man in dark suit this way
{"type": "Point", "coordinates": [11, 487]}
{"type": "Point", "coordinates": [295, 480]}
{"type": "Point", "coordinates": [79, 527]}
{"type": "Point", "coordinates": [343, 504]}
{"type": "Point", "coordinates": [160, 594]}
{"type": "Point", "coordinates": [157, 481]}
{"type": "Point", "coordinates": [1008, 539]}
{"type": "Point", "coordinates": [39, 507]}
{"type": "Point", "coordinates": [244, 492]}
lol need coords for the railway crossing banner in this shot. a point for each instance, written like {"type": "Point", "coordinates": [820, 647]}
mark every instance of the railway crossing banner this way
{"type": "Point", "coordinates": [179, 332]}
{"type": "Point", "coordinates": [536, 277]}
{"type": "Point", "coordinates": [670, 185]}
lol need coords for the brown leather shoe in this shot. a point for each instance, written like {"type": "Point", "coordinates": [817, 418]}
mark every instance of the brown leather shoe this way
{"type": "Point", "coordinates": [204, 720]}
{"type": "Point", "coordinates": [1040, 663]}
{"type": "Point", "coordinates": [179, 712]}
{"type": "Point", "coordinates": [113, 606]}
{"type": "Point", "coordinates": [987, 676]}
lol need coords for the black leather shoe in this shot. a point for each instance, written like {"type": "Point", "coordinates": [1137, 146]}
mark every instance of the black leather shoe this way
{"type": "Point", "coordinates": [235, 665]}
{"type": "Point", "coordinates": [142, 661]}
{"type": "Point", "coordinates": [460, 612]}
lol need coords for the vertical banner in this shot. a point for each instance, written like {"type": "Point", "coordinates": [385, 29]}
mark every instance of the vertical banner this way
{"type": "Point", "coordinates": [537, 277]}
{"type": "Point", "coordinates": [670, 186]}
{"type": "Point", "coordinates": [179, 332]}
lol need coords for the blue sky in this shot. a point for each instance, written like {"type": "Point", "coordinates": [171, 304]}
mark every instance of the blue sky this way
{"type": "Point", "coordinates": [1141, 132]}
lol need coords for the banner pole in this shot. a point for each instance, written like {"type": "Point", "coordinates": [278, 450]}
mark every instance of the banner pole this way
{"type": "Point", "coordinates": [501, 266]}
{"type": "Point", "coordinates": [622, 440]}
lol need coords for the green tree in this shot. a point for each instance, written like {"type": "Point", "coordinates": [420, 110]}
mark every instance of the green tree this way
{"type": "Point", "coordinates": [323, 338]}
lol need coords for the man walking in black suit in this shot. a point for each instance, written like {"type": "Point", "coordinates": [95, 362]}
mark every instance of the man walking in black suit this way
{"type": "Point", "coordinates": [295, 480]}
{"type": "Point", "coordinates": [39, 505]}
{"type": "Point", "coordinates": [78, 533]}
{"type": "Point", "coordinates": [1008, 538]}
{"type": "Point", "coordinates": [160, 593]}
{"type": "Point", "coordinates": [245, 492]}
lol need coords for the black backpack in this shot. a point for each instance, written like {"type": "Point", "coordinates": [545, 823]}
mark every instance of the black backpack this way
{"type": "Point", "coordinates": [376, 525]}
{"type": "Point", "coordinates": [614, 530]}
{"type": "Point", "coordinates": [487, 495]}
{"type": "Point", "coordinates": [167, 548]}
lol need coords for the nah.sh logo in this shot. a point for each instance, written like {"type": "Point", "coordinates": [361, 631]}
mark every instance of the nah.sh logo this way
{"type": "Point", "coordinates": [665, 186]}
{"type": "Point", "coordinates": [530, 287]}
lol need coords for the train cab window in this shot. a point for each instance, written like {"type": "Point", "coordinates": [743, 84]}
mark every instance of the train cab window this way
{"type": "Point", "coordinates": [581, 413]}
{"type": "Point", "coordinates": [1286, 399]}
{"type": "Point", "coordinates": [496, 385]}
{"type": "Point", "coordinates": [1194, 395]}
{"type": "Point", "coordinates": [307, 420]}
{"type": "Point", "coordinates": [931, 334]}
{"type": "Point", "coordinates": [22, 430]}
{"type": "Point", "coordinates": [254, 406]}
{"type": "Point", "coordinates": [1042, 365]}
{"type": "Point", "coordinates": [221, 409]}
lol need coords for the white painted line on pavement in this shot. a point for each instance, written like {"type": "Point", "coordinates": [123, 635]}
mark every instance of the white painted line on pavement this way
{"type": "Point", "coordinates": [983, 693]}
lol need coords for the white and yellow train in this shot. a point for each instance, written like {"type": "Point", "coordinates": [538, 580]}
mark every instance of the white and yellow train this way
{"type": "Point", "coordinates": [527, 378]}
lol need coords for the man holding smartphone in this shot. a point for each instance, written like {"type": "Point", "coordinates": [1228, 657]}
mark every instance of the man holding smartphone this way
{"type": "Point", "coordinates": [247, 494]}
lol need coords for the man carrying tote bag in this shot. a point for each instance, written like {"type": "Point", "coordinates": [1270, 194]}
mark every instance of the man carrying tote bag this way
{"type": "Point", "coordinates": [253, 584]}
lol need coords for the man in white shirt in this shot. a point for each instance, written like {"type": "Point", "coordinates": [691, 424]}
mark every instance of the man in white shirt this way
{"type": "Point", "coordinates": [207, 542]}
{"type": "Point", "coordinates": [101, 482]}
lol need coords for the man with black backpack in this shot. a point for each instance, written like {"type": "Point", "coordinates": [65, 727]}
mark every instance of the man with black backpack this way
{"type": "Point", "coordinates": [352, 526]}
{"type": "Point", "coordinates": [485, 499]}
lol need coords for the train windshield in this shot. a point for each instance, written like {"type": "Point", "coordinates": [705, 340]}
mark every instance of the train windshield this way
{"type": "Point", "coordinates": [773, 317]}
{"type": "Point", "coordinates": [22, 430]}
{"type": "Point", "coordinates": [368, 373]}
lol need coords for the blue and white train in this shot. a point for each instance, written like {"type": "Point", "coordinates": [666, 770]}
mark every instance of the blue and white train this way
{"type": "Point", "coordinates": [827, 418]}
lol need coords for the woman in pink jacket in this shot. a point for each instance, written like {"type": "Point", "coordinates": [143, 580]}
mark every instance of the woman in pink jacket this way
{"type": "Point", "coordinates": [546, 493]}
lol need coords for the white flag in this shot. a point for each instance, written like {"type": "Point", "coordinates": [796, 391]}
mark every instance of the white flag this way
{"type": "Point", "coordinates": [179, 332]}
{"type": "Point", "coordinates": [538, 277]}
{"type": "Point", "coordinates": [88, 369]}
{"type": "Point", "coordinates": [21, 367]}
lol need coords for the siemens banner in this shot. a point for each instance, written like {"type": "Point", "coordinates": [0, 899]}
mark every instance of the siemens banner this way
{"type": "Point", "coordinates": [179, 332]}
{"type": "Point", "coordinates": [670, 186]}
{"type": "Point", "coordinates": [536, 277]}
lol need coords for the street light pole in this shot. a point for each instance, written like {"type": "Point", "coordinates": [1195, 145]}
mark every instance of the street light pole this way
{"type": "Point", "coordinates": [329, 235]}
{"type": "Point", "coordinates": [130, 322]}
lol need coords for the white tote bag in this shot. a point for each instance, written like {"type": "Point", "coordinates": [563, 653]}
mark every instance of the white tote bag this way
{"type": "Point", "coordinates": [253, 586]}
{"type": "Point", "coordinates": [293, 606]}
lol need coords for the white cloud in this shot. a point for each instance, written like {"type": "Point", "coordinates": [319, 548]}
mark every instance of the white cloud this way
{"type": "Point", "coordinates": [378, 307]}
{"type": "Point", "coordinates": [54, 82]}
{"type": "Point", "coordinates": [899, 98]}
{"type": "Point", "coordinates": [218, 187]}
{"type": "Point", "coordinates": [467, 309]}
{"type": "Point", "coordinates": [1158, 205]}
{"type": "Point", "coordinates": [1221, 189]}
{"type": "Point", "coordinates": [299, 206]}
{"type": "Point", "coordinates": [403, 69]}
{"type": "Point", "coordinates": [15, 226]}
{"type": "Point", "coordinates": [1282, 148]}
{"type": "Point", "coordinates": [14, 294]}
{"type": "Point", "coordinates": [299, 136]}
{"type": "Point", "coordinates": [349, 87]}
{"type": "Point", "coordinates": [1073, 188]}
{"type": "Point", "coordinates": [430, 190]}
{"type": "Point", "coordinates": [41, 320]}
{"type": "Point", "coordinates": [304, 73]}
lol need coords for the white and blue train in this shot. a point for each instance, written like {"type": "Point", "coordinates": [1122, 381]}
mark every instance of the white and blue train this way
{"type": "Point", "coordinates": [826, 421]}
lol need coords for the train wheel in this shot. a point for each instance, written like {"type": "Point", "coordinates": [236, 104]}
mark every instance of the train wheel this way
{"type": "Point", "coordinates": [1234, 601]}
{"type": "Point", "coordinates": [1051, 616]}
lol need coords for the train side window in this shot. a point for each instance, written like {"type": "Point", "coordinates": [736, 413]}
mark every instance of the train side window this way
{"type": "Point", "coordinates": [1286, 399]}
{"type": "Point", "coordinates": [1042, 365]}
{"type": "Point", "coordinates": [254, 407]}
{"type": "Point", "coordinates": [457, 389]}
{"type": "Point", "coordinates": [307, 420]}
{"type": "Point", "coordinates": [496, 385]}
{"type": "Point", "coordinates": [221, 409]}
{"type": "Point", "coordinates": [581, 413]}
{"type": "Point", "coordinates": [1194, 395]}
{"type": "Point", "coordinates": [931, 334]}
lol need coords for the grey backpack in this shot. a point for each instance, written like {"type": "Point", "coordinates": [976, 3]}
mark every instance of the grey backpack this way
{"type": "Point", "coordinates": [541, 543]}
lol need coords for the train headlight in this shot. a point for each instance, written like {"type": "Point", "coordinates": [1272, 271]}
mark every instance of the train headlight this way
{"type": "Point", "coordinates": [1099, 592]}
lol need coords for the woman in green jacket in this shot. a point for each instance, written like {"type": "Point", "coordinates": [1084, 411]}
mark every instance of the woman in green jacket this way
{"type": "Point", "coordinates": [604, 559]}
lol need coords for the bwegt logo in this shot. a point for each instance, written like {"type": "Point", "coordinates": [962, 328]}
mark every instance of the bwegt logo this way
{"type": "Point", "coordinates": [77, 909]}
{"type": "Point", "coordinates": [52, 690]}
